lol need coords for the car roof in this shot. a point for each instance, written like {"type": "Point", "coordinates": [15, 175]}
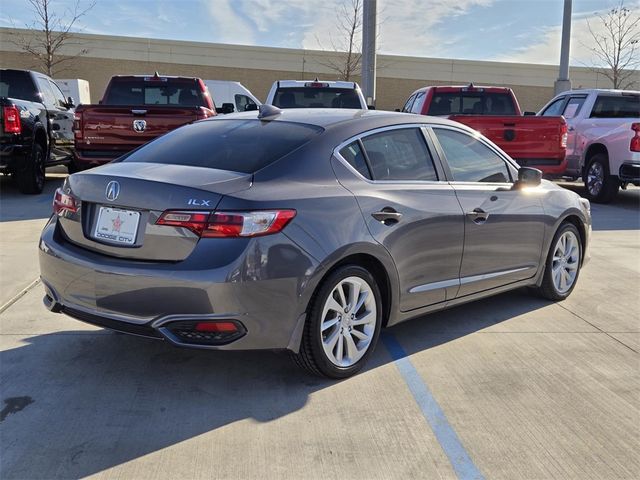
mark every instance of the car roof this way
{"type": "Point", "coordinates": [600, 90]}
{"type": "Point", "coordinates": [330, 117]}
{"type": "Point", "coordinates": [304, 83]}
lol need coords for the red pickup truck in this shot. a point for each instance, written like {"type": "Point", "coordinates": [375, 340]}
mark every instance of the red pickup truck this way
{"type": "Point", "coordinates": [539, 142]}
{"type": "Point", "coordinates": [134, 110]}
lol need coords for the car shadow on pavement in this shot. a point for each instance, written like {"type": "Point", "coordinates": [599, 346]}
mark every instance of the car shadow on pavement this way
{"type": "Point", "coordinates": [79, 402]}
{"type": "Point", "coordinates": [17, 206]}
{"type": "Point", "coordinates": [623, 213]}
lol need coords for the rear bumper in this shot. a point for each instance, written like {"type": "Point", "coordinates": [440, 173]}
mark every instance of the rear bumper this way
{"type": "Point", "coordinates": [550, 167]}
{"type": "Point", "coordinates": [12, 156]}
{"type": "Point", "coordinates": [151, 298]}
{"type": "Point", "coordinates": [89, 158]}
{"type": "Point", "coordinates": [629, 172]}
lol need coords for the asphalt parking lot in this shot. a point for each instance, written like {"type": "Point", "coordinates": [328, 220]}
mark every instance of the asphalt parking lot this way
{"type": "Point", "coordinates": [512, 387]}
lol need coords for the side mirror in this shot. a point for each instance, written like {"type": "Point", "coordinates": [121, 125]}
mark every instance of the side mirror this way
{"type": "Point", "coordinates": [70, 102]}
{"type": "Point", "coordinates": [250, 107]}
{"type": "Point", "coordinates": [371, 107]}
{"type": "Point", "coordinates": [226, 108]}
{"type": "Point", "coordinates": [397, 110]}
{"type": "Point", "coordinates": [527, 114]}
{"type": "Point", "coordinates": [528, 177]}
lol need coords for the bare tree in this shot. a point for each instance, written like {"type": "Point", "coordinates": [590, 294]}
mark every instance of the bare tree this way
{"type": "Point", "coordinates": [54, 32]}
{"type": "Point", "coordinates": [617, 46]}
{"type": "Point", "coordinates": [346, 40]}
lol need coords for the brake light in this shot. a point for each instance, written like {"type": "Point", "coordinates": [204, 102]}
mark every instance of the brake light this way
{"type": "Point", "coordinates": [64, 203]}
{"type": "Point", "coordinates": [203, 113]}
{"type": "Point", "coordinates": [228, 224]}
{"type": "Point", "coordinates": [634, 146]}
{"type": "Point", "coordinates": [11, 116]}
{"type": "Point", "coordinates": [563, 135]}
{"type": "Point", "coordinates": [77, 126]}
{"type": "Point", "coordinates": [316, 84]}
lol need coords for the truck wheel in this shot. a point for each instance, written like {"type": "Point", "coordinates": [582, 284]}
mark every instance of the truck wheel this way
{"type": "Point", "coordinates": [30, 176]}
{"type": "Point", "coordinates": [600, 185]}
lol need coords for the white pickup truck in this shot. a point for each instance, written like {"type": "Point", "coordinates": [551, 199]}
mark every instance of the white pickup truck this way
{"type": "Point", "coordinates": [603, 144]}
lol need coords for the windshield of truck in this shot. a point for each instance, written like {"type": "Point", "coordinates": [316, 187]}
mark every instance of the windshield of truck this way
{"type": "Point", "coordinates": [471, 103]}
{"type": "Point", "coordinates": [619, 106]}
{"type": "Point", "coordinates": [17, 84]}
{"type": "Point", "coordinates": [316, 97]}
{"type": "Point", "coordinates": [155, 91]}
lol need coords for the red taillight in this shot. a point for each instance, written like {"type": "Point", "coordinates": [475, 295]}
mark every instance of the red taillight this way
{"type": "Point", "coordinates": [77, 126]}
{"type": "Point", "coordinates": [63, 202]}
{"type": "Point", "coordinates": [634, 146]}
{"type": "Point", "coordinates": [228, 224]}
{"type": "Point", "coordinates": [221, 327]}
{"type": "Point", "coordinates": [563, 135]}
{"type": "Point", "coordinates": [11, 116]}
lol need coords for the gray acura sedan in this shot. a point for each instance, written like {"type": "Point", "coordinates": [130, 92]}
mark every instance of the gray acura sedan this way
{"type": "Point", "coordinates": [304, 230]}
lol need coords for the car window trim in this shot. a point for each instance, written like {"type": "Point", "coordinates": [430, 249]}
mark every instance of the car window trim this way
{"type": "Point", "coordinates": [428, 144]}
{"type": "Point", "coordinates": [512, 166]}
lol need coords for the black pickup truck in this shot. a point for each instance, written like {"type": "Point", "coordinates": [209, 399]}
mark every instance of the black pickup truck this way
{"type": "Point", "coordinates": [36, 123]}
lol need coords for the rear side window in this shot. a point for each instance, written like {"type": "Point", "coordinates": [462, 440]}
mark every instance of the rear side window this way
{"type": "Point", "coordinates": [352, 153]}
{"type": "Point", "coordinates": [165, 91]}
{"type": "Point", "coordinates": [619, 106]}
{"type": "Point", "coordinates": [471, 161]}
{"type": "Point", "coordinates": [470, 103]}
{"type": "Point", "coordinates": [399, 154]}
{"type": "Point", "coordinates": [316, 97]}
{"type": "Point", "coordinates": [16, 84]}
{"type": "Point", "coordinates": [237, 145]}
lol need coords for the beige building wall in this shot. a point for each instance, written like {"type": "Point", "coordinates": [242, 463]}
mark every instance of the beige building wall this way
{"type": "Point", "coordinates": [258, 67]}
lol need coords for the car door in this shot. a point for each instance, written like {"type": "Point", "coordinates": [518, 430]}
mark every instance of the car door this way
{"type": "Point", "coordinates": [408, 207]}
{"type": "Point", "coordinates": [60, 120]}
{"type": "Point", "coordinates": [571, 114]}
{"type": "Point", "coordinates": [504, 227]}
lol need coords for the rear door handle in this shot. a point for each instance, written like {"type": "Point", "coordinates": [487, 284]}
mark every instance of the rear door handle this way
{"type": "Point", "coordinates": [478, 216]}
{"type": "Point", "coordinates": [387, 215]}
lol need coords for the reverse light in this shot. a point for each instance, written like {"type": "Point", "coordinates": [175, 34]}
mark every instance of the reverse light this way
{"type": "Point", "coordinates": [11, 116]}
{"type": "Point", "coordinates": [64, 203]}
{"type": "Point", "coordinates": [563, 135]}
{"type": "Point", "coordinates": [228, 224]}
{"type": "Point", "coordinates": [634, 146]}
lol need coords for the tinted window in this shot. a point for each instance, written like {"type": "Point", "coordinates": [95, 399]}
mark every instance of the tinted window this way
{"type": "Point", "coordinates": [16, 84]}
{"type": "Point", "coordinates": [555, 108]}
{"type": "Point", "coordinates": [573, 107]}
{"type": "Point", "coordinates": [622, 106]}
{"type": "Point", "coordinates": [242, 101]}
{"type": "Point", "coordinates": [407, 106]}
{"type": "Point", "coordinates": [400, 154]}
{"type": "Point", "coordinates": [352, 153]}
{"type": "Point", "coordinates": [470, 160]}
{"type": "Point", "coordinates": [471, 103]}
{"type": "Point", "coordinates": [237, 145]}
{"type": "Point", "coordinates": [154, 92]}
{"type": "Point", "coordinates": [417, 105]}
{"type": "Point", "coordinates": [316, 97]}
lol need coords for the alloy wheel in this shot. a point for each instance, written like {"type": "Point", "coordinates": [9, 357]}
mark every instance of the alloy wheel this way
{"type": "Point", "coordinates": [348, 321]}
{"type": "Point", "coordinates": [565, 262]}
{"type": "Point", "coordinates": [595, 178]}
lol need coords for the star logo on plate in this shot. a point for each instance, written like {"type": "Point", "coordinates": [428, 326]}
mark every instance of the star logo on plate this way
{"type": "Point", "coordinates": [117, 223]}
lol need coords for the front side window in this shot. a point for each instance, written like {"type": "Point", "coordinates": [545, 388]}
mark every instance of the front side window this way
{"type": "Point", "coordinates": [407, 106]}
{"type": "Point", "coordinates": [45, 89]}
{"type": "Point", "coordinates": [242, 101]}
{"type": "Point", "coordinates": [555, 108]}
{"type": "Point", "coordinates": [417, 105]}
{"type": "Point", "coordinates": [57, 93]}
{"type": "Point", "coordinates": [470, 160]}
{"type": "Point", "coordinates": [400, 154]}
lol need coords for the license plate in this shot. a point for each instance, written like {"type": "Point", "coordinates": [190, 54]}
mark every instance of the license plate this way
{"type": "Point", "coordinates": [117, 225]}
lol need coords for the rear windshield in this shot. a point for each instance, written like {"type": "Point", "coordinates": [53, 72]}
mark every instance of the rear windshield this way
{"type": "Point", "coordinates": [471, 104]}
{"type": "Point", "coordinates": [619, 106]}
{"type": "Point", "coordinates": [16, 84]}
{"type": "Point", "coordinates": [237, 145]}
{"type": "Point", "coordinates": [164, 91]}
{"type": "Point", "coordinates": [316, 97]}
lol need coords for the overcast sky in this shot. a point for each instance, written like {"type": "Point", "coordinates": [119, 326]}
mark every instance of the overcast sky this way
{"type": "Point", "coordinates": [508, 30]}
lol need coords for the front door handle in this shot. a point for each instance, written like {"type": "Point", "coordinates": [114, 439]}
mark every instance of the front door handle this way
{"type": "Point", "coordinates": [478, 216]}
{"type": "Point", "coordinates": [387, 215]}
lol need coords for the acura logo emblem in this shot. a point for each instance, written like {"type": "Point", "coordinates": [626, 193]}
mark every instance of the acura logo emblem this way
{"type": "Point", "coordinates": [139, 125]}
{"type": "Point", "coordinates": [113, 190]}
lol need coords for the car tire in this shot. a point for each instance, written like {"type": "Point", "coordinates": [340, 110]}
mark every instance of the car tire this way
{"type": "Point", "coordinates": [30, 176]}
{"type": "Point", "coordinates": [600, 185]}
{"type": "Point", "coordinates": [337, 344]}
{"type": "Point", "coordinates": [563, 263]}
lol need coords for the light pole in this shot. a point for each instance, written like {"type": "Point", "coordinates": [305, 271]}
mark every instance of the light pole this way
{"type": "Point", "coordinates": [563, 83]}
{"type": "Point", "coordinates": [369, 27]}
